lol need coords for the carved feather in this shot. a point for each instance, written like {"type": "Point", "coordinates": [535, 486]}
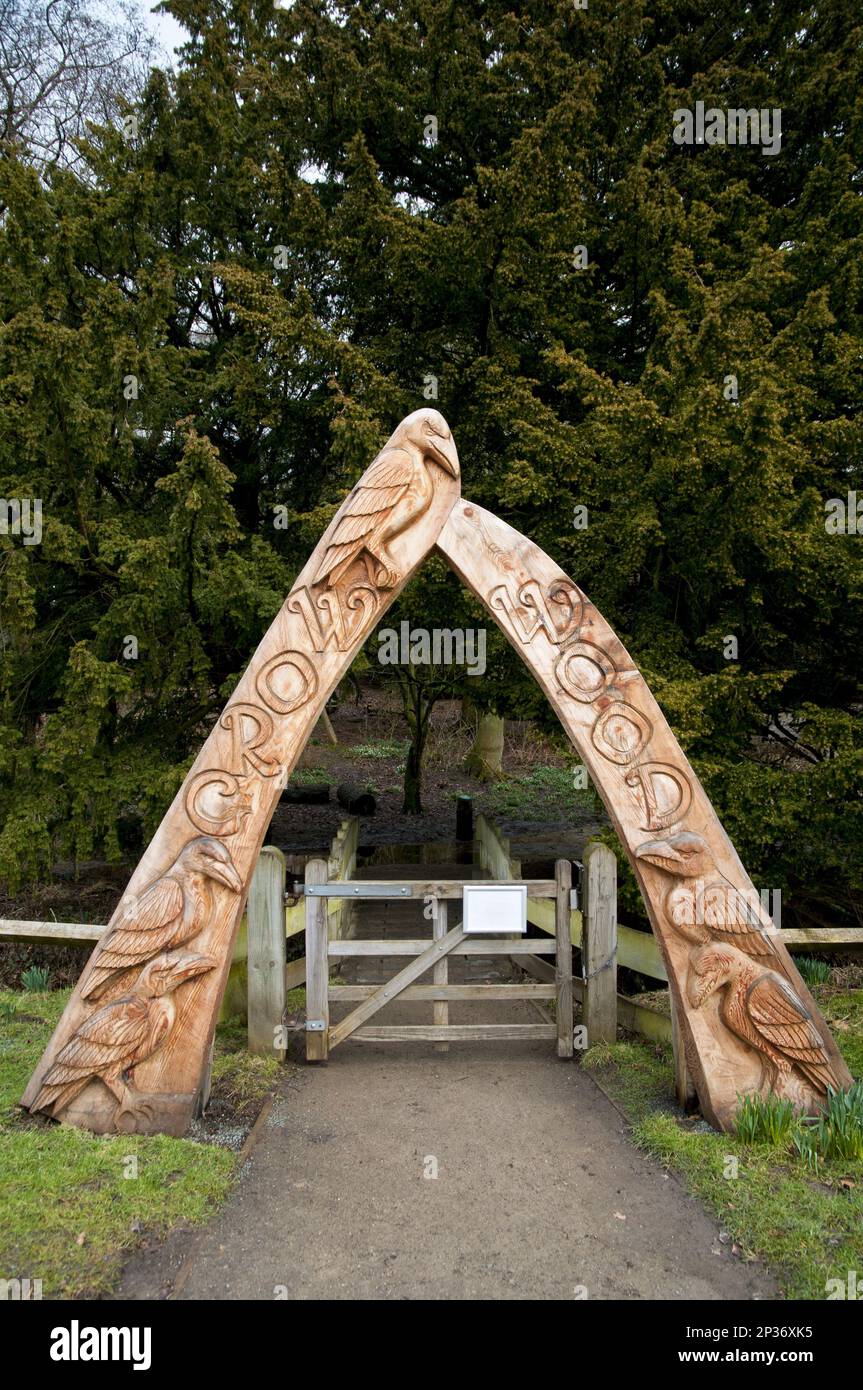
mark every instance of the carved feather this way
{"type": "Point", "coordinates": [782, 1019]}
{"type": "Point", "coordinates": [105, 1044]}
{"type": "Point", "coordinates": [370, 503]}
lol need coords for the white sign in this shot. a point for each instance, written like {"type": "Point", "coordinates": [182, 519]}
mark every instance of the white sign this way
{"type": "Point", "coordinates": [495, 908]}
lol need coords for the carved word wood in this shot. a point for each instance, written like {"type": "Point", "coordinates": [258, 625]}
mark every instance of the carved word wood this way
{"type": "Point", "coordinates": [748, 1020]}
{"type": "Point", "coordinates": [149, 997]}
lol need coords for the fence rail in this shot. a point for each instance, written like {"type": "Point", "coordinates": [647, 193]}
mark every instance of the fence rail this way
{"type": "Point", "coordinates": [635, 949]}
{"type": "Point", "coordinates": [260, 977]}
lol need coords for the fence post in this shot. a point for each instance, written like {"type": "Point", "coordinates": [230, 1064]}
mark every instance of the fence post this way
{"type": "Point", "coordinates": [683, 1087]}
{"type": "Point", "coordinates": [440, 974]}
{"type": "Point", "coordinates": [317, 966]}
{"type": "Point", "coordinates": [266, 953]}
{"type": "Point", "coordinates": [599, 944]}
{"type": "Point", "coordinates": [563, 960]}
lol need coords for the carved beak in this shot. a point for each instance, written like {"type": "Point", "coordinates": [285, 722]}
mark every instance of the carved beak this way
{"type": "Point", "coordinates": [701, 987]}
{"type": "Point", "coordinates": [662, 854]}
{"type": "Point", "coordinates": [443, 450]}
{"type": "Point", "coordinates": [225, 873]}
{"type": "Point", "coordinates": [188, 968]}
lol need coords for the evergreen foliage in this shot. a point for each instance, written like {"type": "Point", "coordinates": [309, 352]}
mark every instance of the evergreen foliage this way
{"type": "Point", "coordinates": [283, 255]}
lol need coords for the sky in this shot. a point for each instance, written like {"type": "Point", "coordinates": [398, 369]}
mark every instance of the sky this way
{"type": "Point", "coordinates": [169, 33]}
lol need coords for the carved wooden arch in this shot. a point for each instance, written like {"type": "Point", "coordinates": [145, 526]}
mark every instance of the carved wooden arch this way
{"type": "Point", "coordinates": [130, 1049]}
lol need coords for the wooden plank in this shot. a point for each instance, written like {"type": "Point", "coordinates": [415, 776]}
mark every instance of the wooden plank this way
{"type": "Point", "coordinates": [440, 1010]}
{"type": "Point", "coordinates": [317, 966]}
{"type": "Point", "coordinates": [266, 955]}
{"type": "Point", "coordinates": [638, 950]}
{"type": "Point", "coordinates": [636, 1018]}
{"type": "Point", "coordinates": [64, 933]}
{"type": "Point", "coordinates": [391, 988]}
{"type": "Point", "coordinates": [465, 993]}
{"type": "Point", "coordinates": [478, 946]}
{"type": "Point", "coordinates": [821, 938]}
{"type": "Point", "coordinates": [439, 888]}
{"type": "Point", "coordinates": [295, 973]}
{"type": "Point", "coordinates": [683, 1086]}
{"type": "Point", "coordinates": [458, 1032]}
{"type": "Point", "coordinates": [599, 944]}
{"type": "Point", "coordinates": [644, 1019]}
{"type": "Point", "coordinates": [563, 962]}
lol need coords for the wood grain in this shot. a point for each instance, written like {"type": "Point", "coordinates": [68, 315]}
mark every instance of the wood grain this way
{"type": "Point", "coordinates": [375, 542]}
{"type": "Point", "coordinates": [697, 893]}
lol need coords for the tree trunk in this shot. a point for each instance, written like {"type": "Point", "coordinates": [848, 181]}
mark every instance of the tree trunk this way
{"type": "Point", "coordinates": [485, 759]}
{"type": "Point", "coordinates": [327, 725]}
{"type": "Point", "coordinates": [418, 710]}
{"type": "Point", "coordinates": [412, 805]}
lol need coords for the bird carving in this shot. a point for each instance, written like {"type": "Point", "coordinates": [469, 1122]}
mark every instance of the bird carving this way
{"type": "Point", "coordinates": [760, 1006]}
{"type": "Point", "coordinates": [166, 914]}
{"type": "Point", "coordinates": [120, 1035]}
{"type": "Point", "coordinates": [396, 489]}
{"type": "Point", "coordinates": [706, 906]}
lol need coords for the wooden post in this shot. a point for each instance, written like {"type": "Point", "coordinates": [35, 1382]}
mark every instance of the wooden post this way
{"type": "Point", "coordinates": [317, 967]}
{"type": "Point", "coordinates": [599, 944]}
{"type": "Point", "coordinates": [683, 1087]}
{"type": "Point", "coordinates": [206, 1082]}
{"type": "Point", "coordinates": [563, 960]}
{"type": "Point", "coordinates": [440, 975]}
{"type": "Point", "coordinates": [266, 954]}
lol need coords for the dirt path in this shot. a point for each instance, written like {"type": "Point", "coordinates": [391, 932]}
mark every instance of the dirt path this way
{"type": "Point", "coordinates": [539, 1191]}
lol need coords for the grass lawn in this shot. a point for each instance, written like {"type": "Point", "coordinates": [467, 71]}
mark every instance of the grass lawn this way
{"type": "Point", "coordinates": [806, 1227]}
{"type": "Point", "coordinates": [73, 1204]}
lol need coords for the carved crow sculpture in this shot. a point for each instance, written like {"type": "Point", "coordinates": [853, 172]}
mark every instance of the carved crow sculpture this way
{"type": "Point", "coordinates": [166, 914]}
{"type": "Point", "coordinates": [761, 1008]}
{"type": "Point", "coordinates": [120, 1035]}
{"type": "Point", "coordinates": [395, 490]}
{"type": "Point", "coordinates": [706, 906]}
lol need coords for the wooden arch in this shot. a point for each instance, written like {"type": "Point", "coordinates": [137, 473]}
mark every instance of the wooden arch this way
{"type": "Point", "coordinates": [149, 996]}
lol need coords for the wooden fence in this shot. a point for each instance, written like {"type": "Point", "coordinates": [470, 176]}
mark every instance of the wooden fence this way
{"type": "Point", "coordinates": [259, 978]}
{"type": "Point", "coordinates": [610, 939]}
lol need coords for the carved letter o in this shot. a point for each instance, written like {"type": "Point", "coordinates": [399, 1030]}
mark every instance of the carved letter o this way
{"type": "Point", "coordinates": [621, 732]}
{"type": "Point", "coordinates": [302, 666]}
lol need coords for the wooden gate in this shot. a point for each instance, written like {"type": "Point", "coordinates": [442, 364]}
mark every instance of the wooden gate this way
{"type": "Point", "coordinates": [322, 1037]}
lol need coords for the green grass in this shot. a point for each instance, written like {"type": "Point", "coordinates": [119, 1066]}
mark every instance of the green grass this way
{"type": "Point", "coordinates": [843, 1010]}
{"type": "Point", "coordinates": [384, 748]}
{"type": "Point", "coordinates": [806, 1227]}
{"type": "Point", "coordinates": [538, 794]}
{"type": "Point", "coordinates": [69, 1214]}
{"type": "Point", "coordinates": [306, 776]}
{"type": "Point", "coordinates": [814, 972]}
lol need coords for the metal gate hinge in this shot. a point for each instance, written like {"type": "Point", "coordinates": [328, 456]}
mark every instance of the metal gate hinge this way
{"type": "Point", "coordinates": [573, 899]}
{"type": "Point", "coordinates": [315, 1025]}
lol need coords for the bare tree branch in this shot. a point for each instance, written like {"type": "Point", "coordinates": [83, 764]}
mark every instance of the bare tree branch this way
{"type": "Point", "coordinates": [64, 63]}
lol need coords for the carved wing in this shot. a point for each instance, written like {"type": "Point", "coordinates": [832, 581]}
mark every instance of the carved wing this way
{"type": "Point", "coordinates": [731, 918]}
{"type": "Point", "coordinates": [782, 1019]}
{"type": "Point", "coordinates": [380, 489]}
{"type": "Point", "coordinates": [144, 929]}
{"type": "Point", "coordinates": [103, 1045]}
